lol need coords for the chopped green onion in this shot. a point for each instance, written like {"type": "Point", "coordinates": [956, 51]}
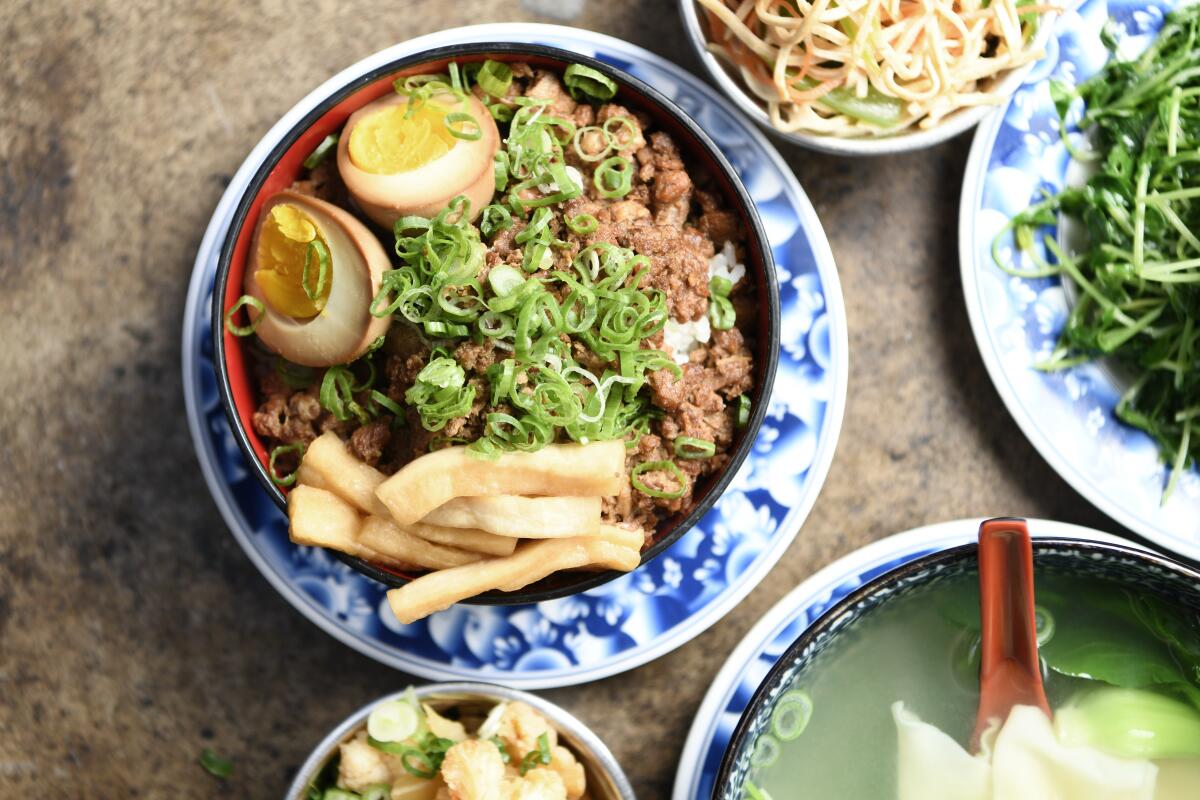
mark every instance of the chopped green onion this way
{"type": "Point", "coordinates": [540, 756]}
{"type": "Point", "coordinates": [244, 330]}
{"type": "Point", "coordinates": [494, 218]}
{"type": "Point", "coordinates": [755, 793]}
{"type": "Point", "coordinates": [335, 793]}
{"type": "Point", "coordinates": [283, 480]}
{"type": "Point", "coordinates": [504, 756]}
{"type": "Point", "coordinates": [743, 411]}
{"type": "Point", "coordinates": [720, 286]}
{"type": "Point", "coordinates": [585, 82]}
{"type": "Point", "coordinates": [504, 280]}
{"type": "Point", "coordinates": [614, 177]}
{"type": "Point", "coordinates": [317, 247]}
{"type": "Point", "coordinates": [766, 751]}
{"type": "Point", "coordinates": [692, 448]}
{"type": "Point", "coordinates": [721, 314]}
{"type": "Point", "coordinates": [321, 151]}
{"type": "Point", "coordinates": [583, 224]}
{"type": "Point", "coordinates": [393, 721]}
{"type": "Point", "coordinates": [215, 765]}
{"type": "Point", "coordinates": [377, 791]}
{"type": "Point", "coordinates": [444, 330]}
{"type": "Point", "coordinates": [658, 466]}
{"type": "Point", "coordinates": [383, 400]}
{"type": "Point", "coordinates": [337, 393]}
{"type": "Point", "coordinates": [455, 123]}
{"type": "Point", "coordinates": [294, 375]}
{"type": "Point", "coordinates": [1044, 624]}
{"type": "Point", "coordinates": [607, 141]}
{"type": "Point", "coordinates": [495, 78]}
{"type": "Point", "coordinates": [791, 715]}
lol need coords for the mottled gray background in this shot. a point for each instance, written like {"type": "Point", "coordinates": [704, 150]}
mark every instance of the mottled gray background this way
{"type": "Point", "coordinates": [133, 630]}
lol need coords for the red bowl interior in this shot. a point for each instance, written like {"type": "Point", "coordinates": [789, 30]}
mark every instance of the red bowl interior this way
{"type": "Point", "coordinates": [289, 167]}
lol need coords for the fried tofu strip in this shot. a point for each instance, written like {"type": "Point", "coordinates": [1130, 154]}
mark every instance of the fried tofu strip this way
{"type": "Point", "coordinates": [319, 518]}
{"type": "Point", "coordinates": [464, 538]}
{"type": "Point", "coordinates": [555, 470]}
{"type": "Point", "coordinates": [384, 536]}
{"type": "Point", "coordinates": [329, 464]}
{"type": "Point", "coordinates": [522, 517]}
{"type": "Point", "coordinates": [531, 562]}
{"type": "Point", "coordinates": [623, 537]}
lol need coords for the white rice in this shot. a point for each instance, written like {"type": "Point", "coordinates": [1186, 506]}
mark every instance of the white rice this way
{"type": "Point", "coordinates": [684, 337]}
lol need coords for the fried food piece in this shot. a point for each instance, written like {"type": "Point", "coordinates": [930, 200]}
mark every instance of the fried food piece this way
{"type": "Point", "coordinates": [523, 517]}
{"type": "Point", "coordinates": [473, 770]}
{"type": "Point", "coordinates": [596, 469]}
{"type": "Point", "coordinates": [319, 518]}
{"type": "Point", "coordinates": [329, 464]}
{"type": "Point", "coordinates": [384, 536]}
{"type": "Point", "coordinates": [531, 562]}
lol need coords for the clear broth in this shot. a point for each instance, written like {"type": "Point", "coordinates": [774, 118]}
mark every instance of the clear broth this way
{"type": "Point", "coordinates": [916, 648]}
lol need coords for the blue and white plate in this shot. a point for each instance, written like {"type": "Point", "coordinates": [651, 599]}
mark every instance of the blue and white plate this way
{"type": "Point", "coordinates": [750, 662]}
{"type": "Point", "coordinates": [1067, 415]}
{"type": "Point", "coordinates": [660, 606]}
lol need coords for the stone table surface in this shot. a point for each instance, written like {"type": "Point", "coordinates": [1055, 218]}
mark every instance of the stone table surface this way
{"type": "Point", "coordinates": [133, 630]}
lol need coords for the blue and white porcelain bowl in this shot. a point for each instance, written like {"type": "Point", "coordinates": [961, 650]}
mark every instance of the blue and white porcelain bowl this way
{"type": "Point", "coordinates": [605, 778]}
{"type": "Point", "coordinates": [1121, 566]}
{"type": "Point", "coordinates": [1068, 415]}
{"type": "Point", "coordinates": [660, 606]}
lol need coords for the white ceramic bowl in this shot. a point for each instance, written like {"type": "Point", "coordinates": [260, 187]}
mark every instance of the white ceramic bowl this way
{"type": "Point", "coordinates": [605, 780]}
{"type": "Point", "coordinates": [913, 139]}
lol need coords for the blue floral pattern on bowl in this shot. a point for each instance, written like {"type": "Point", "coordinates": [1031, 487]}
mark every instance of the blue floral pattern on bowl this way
{"type": "Point", "coordinates": [636, 618]}
{"type": "Point", "coordinates": [1067, 415]}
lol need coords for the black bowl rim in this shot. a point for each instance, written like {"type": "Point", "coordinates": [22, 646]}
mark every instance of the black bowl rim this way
{"type": "Point", "coordinates": [947, 556]}
{"type": "Point", "coordinates": [665, 105]}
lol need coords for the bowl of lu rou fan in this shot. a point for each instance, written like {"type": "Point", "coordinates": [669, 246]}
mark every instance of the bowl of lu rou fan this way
{"type": "Point", "coordinates": [494, 323]}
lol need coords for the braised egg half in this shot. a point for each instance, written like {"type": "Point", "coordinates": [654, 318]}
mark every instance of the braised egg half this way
{"type": "Point", "coordinates": [397, 161]}
{"type": "Point", "coordinates": [316, 269]}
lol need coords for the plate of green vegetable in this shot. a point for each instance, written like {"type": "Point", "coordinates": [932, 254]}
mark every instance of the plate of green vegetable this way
{"type": "Point", "coordinates": [1080, 247]}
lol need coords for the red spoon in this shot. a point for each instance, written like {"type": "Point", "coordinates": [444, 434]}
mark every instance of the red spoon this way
{"type": "Point", "coordinates": [1010, 673]}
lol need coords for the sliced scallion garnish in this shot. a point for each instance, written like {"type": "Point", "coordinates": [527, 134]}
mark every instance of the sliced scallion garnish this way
{"type": "Point", "coordinates": [585, 82]}
{"type": "Point", "coordinates": [693, 448]}
{"type": "Point", "coordinates": [215, 765]}
{"type": "Point", "coordinates": [538, 757]}
{"type": "Point", "coordinates": [316, 250]}
{"type": "Point", "coordinates": [658, 466]}
{"type": "Point", "coordinates": [393, 721]}
{"type": "Point", "coordinates": [463, 125]}
{"type": "Point", "coordinates": [321, 151]}
{"type": "Point", "coordinates": [283, 449]}
{"type": "Point", "coordinates": [244, 330]}
{"type": "Point", "coordinates": [614, 177]}
{"type": "Point", "coordinates": [495, 78]}
{"type": "Point", "coordinates": [583, 224]}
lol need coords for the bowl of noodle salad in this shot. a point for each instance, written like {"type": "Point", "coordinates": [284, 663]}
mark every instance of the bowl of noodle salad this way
{"type": "Point", "coordinates": [868, 77]}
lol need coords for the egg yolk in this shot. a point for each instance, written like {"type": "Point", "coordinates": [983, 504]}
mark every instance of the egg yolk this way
{"type": "Point", "coordinates": [282, 246]}
{"type": "Point", "coordinates": [390, 141]}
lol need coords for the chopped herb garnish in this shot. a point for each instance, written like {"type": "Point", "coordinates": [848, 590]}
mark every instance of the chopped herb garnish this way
{"type": "Point", "coordinates": [215, 765]}
{"type": "Point", "coordinates": [539, 757]}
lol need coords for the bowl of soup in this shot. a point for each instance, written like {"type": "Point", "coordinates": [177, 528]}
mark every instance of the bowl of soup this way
{"type": "Point", "coordinates": [463, 740]}
{"type": "Point", "coordinates": [877, 698]}
{"type": "Point", "coordinates": [499, 313]}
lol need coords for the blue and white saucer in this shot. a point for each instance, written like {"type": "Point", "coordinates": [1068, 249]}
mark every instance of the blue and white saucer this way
{"type": "Point", "coordinates": [665, 603]}
{"type": "Point", "coordinates": [758, 651]}
{"type": "Point", "coordinates": [1067, 415]}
